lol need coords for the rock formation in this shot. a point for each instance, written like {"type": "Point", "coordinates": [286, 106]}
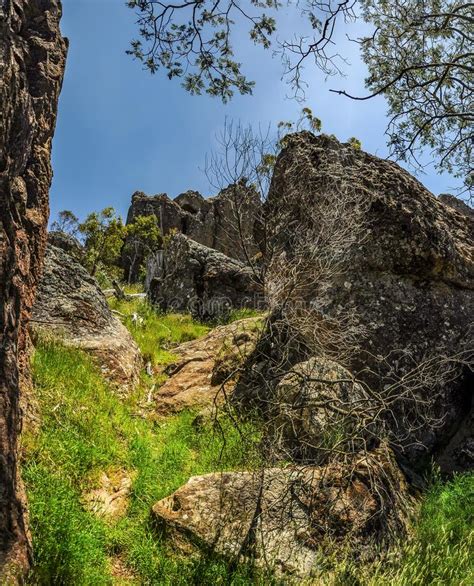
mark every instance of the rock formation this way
{"type": "Point", "coordinates": [198, 279]}
{"type": "Point", "coordinates": [203, 365]}
{"type": "Point", "coordinates": [32, 58]}
{"type": "Point", "coordinates": [456, 204]}
{"type": "Point", "coordinates": [284, 518]}
{"type": "Point", "coordinates": [71, 305]}
{"type": "Point", "coordinates": [318, 400]}
{"type": "Point", "coordinates": [363, 369]}
{"type": "Point", "coordinates": [67, 243]}
{"type": "Point", "coordinates": [407, 282]}
{"type": "Point", "coordinates": [212, 222]}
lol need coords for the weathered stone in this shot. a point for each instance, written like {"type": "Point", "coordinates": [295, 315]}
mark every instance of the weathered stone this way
{"type": "Point", "coordinates": [201, 280]}
{"type": "Point", "coordinates": [67, 243]}
{"type": "Point", "coordinates": [110, 499]}
{"type": "Point", "coordinates": [193, 203]}
{"type": "Point", "coordinates": [203, 365]}
{"type": "Point", "coordinates": [71, 306]}
{"type": "Point", "coordinates": [456, 204]}
{"type": "Point", "coordinates": [286, 519]}
{"type": "Point", "coordinates": [315, 407]}
{"type": "Point", "coordinates": [211, 221]}
{"type": "Point", "coordinates": [32, 58]}
{"type": "Point", "coordinates": [167, 212]}
{"type": "Point", "coordinates": [409, 281]}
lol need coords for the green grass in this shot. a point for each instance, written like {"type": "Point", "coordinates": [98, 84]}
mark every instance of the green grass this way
{"type": "Point", "coordinates": [158, 333]}
{"type": "Point", "coordinates": [86, 429]}
{"type": "Point", "coordinates": [441, 550]}
{"type": "Point", "coordinates": [243, 313]}
{"type": "Point", "coordinates": [438, 551]}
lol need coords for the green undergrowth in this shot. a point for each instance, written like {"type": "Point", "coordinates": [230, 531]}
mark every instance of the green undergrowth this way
{"type": "Point", "coordinates": [85, 430]}
{"type": "Point", "coordinates": [440, 551]}
{"type": "Point", "coordinates": [243, 313]}
{"type": "Point", "coordinates": [157, 333]}
{"type": "Point", "coordinates": [437, 552]}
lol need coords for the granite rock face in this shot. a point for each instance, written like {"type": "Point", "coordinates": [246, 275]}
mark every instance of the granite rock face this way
{"type": "Point", "coordinates": [280, 518]}
{"type": "Point", "coordinates": [32, 59]}
{"type": "Point", "coordinates": [71, 305]}
{"type": "Point", "coordinates": [194, 278]}
{"type": "Point", "coordinates": [211, 221]}
{"type": "Point", "coordinates": [456, 204]}
{"type": "Point", "coordinates": [408, 281]}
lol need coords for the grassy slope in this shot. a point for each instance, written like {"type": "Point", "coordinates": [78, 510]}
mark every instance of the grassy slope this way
{"type": "Point", "coordinates": [86, 429]}
{"type": "Point", "coordinates": [159, 332]}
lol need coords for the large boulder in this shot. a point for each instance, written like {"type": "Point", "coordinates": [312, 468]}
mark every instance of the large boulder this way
{"type": "Point", "coordinates": [457, 204]}
{"type": "Point", "coordinates": [286, 520]}
{"type": "Point", "coordinates": [230, 222]}
{"type": "Point", "coordinates": [66, 242]}
{"type": "Point", "coordinates": [205, 370]}
{"type": "Point", "coordinates": [397, 306]}
{"type": "Point", "coordinates": [207, 283]}
{"type": "Point", "coordinates": [71, 305]}
{"type": "Point", "coordinates": [319, 409]}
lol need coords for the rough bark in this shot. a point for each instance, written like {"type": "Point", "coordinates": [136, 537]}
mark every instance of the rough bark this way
{"type": "Point", "coordinates": [32, 58]}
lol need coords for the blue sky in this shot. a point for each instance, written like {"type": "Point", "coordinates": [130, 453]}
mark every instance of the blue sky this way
{"type": "Point", "coordinates": [121, 130]}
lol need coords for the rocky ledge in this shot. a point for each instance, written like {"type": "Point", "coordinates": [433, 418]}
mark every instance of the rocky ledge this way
{"type": "Point", "coordinates": [213, 221]}
{"type": "Point", "coordinates": [287, 519]}
{"type": "Point", "coordinates": [205, 370]}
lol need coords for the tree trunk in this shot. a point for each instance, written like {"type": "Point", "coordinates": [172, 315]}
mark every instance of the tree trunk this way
{"type": "Point", "coordinates": [32, 58]}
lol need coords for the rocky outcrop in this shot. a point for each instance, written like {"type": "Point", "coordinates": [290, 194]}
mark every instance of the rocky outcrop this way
{"type": "Point", "coordinates": [32, 58]}
{"type": "Point", "coordinates": [213, 222]}
{"type": "Point", "coordinates": [71, 305]}
{"type": "Point", "coordinates": [194, 278]}
{"type": "Point", "coordinates": [67, 243]}
{"type": "Point", "coordinates": [202, 366]}
{"type": "Point", "coordinates": [363, 368]}
{"type": "Point", "coordinates": [284, 519]}
{"type": "Point", "coordinates": [407, 282]}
